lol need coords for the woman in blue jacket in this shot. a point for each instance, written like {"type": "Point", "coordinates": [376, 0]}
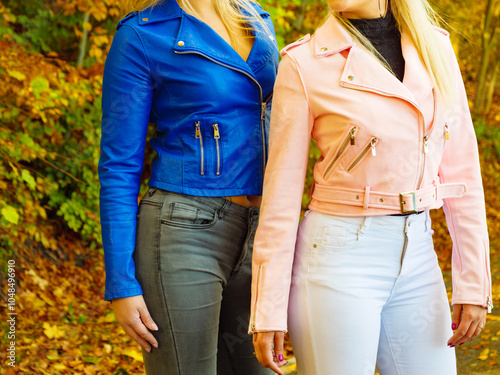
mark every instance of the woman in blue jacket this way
{"type": "Point", "coordinates": [179, 264]}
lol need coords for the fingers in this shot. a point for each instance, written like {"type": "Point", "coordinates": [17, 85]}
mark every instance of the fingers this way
{"type": "Point", "coordinates": [131, 331]}
{"type": "Point", "coordinates": [147, 319]}
{"type": "Point", "coordinates": [134, 318]}
{"type": "Point", "coordinates": [464, 333]}
{"type": "Point", "coordinates": [263, 344]}
{"type": "Point", "coordinates": [141, 330]}
{"type": "Point", "coordinates": [455, 320]}
{"type": "Point", "coordinates": [471, 323]}
{"type": "Point", "coordinates": [279, 339]}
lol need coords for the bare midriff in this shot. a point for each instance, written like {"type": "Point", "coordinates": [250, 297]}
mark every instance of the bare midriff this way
{"type": "Point", "coordinates": [246, 200]}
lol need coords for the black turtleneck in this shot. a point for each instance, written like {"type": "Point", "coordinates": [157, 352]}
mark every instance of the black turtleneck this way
{"type": "Point", "coordinates": [383, 33]}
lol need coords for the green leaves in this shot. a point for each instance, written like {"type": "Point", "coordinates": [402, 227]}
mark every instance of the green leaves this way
{"type": "Point", "coordinates": [28, 178]}
{"type": "Point", "coordinates": [10, 214]}
{"type": "Point", "coordinates": [39, 85]}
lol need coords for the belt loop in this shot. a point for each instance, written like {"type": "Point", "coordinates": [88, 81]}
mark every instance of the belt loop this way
{"type": "Point", "coordinates": [366, 199]}
{"type": "Point", "coordinates": [366, 224]}
{"type": "Point", "coordinates": [221, 210]}
{"type": "Point", "coordinates": [253, 214]}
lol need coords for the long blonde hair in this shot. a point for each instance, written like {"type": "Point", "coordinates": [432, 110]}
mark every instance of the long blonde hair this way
{"type": "Point", "coordinates": [418, 18]}
{"type": "Point", "coordinates": [230, 12]}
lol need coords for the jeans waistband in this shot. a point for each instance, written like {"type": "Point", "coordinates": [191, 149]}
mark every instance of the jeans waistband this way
{"type": "Point", "coordinates": [382, 221]}
{"type": "Point", "coordinates": [219, 203]}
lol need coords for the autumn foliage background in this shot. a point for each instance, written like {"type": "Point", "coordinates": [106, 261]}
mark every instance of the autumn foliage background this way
{"type": "Point", "coordinates": [52, 56]}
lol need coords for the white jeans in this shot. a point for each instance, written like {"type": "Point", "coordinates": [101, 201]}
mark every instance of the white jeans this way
{"type": "Point", "coordinates": [368, 291]}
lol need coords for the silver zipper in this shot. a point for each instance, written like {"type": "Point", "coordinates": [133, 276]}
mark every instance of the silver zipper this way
{"type": "Point", "coordinates": [202, 152]}
{"type": "Point", "coordinates": [426, 139]}
{"type": "Point", "coordinates": [262, 103]}
{"type": "Point", "coordinates": [351, 139]}
{"type": "Point", "coordinates": [217, 137]}
{"type": "Point", "coordinates": [369, 146]}
{"type": "Point", "coordinates": [446, 131]}
{"type": "Point", "coordinates": [421, 174]}
{"type": "Point", "coordinates": [256, 299]}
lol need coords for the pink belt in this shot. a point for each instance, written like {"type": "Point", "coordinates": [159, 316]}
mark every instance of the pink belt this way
{"type": "Point", "coordinates": [405, 203]}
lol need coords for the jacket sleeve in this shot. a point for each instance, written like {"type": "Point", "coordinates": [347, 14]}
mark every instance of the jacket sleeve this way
{"type": "Point", "coordinates": [466, 216]}
{"type": "Point", "coordinates": [126, 104]}
{"type": "Point", "coordinates": [274, 246]}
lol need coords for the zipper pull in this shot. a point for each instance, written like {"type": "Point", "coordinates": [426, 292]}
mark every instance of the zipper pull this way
{"type": "Point", "coordinates": [426, 145]}
{"type": "Point", "coordinates": [198, 130]}
{"type": "Point", "coordinates": [373, 143]}
{"type": "Point", "coordinates": [216, 131]}
{"type": "Point", "coordinates": [253, 327]}
{"type": "Point", "coordinates": [489, 303]}
{"type": "Point", "coordinates": [263, 111]}
{"type": "Point", "coordinates": [446, 131]}
{"type": "Point", "coordinates": [353, 136]}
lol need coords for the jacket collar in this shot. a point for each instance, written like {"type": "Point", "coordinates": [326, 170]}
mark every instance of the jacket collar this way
{"type": "Point", "coordinates": [167, 9]}
{"type": "Point", "coordinates": [196, 37]}
{"type": "Point", "coordinates": [364, 72]}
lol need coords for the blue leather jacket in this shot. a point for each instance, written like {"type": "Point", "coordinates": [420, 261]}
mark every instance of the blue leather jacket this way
{"type": "Point", "coordinates": [211, 111]}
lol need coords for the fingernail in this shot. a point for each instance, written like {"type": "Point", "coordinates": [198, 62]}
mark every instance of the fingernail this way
{"type": "Point", "coordinates": [154, 327]}
{"type": "Point", "coordinates": [280, 357]}
{"type": "Point", "coordinates": [453, 326]}
{"type": "Point", "coordinates": [148, 349]}
{"type": "Point", "coordinates": [155, 345]}
{"type": "Point", "coordinates": [451, 345]}
{"type": "Point", "coordinates": [460, 344]}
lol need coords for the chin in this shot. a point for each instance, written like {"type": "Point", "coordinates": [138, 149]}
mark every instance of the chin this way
{"type": "Point", "coordinates": [337, 5]}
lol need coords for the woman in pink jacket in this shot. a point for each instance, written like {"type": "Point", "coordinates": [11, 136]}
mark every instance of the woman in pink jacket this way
{"type": "Point", "coordinates": [358, 282]}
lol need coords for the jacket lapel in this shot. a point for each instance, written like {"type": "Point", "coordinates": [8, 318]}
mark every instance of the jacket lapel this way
{"type": "Point", "coordinates": [198, 38]}
{"type": "Point", "coordinates": [363, 72]}
{"type": "Point", "coordinates": [416, 78]}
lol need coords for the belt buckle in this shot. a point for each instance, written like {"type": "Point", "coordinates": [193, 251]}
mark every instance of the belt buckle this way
{"type": "Point", "coordinates": [402, 202]}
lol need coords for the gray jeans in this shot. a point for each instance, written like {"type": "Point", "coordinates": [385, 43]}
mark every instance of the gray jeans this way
{"type": "Point", "coordinates": [193, 260]}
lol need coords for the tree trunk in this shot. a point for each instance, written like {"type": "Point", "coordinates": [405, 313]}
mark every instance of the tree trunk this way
{"type": "Point", "coordinates": [487, 39]}
{"type": "Point", "coordinates": [83, 42]}
{"type": "Point", "coordinates": [298, 22]}
{"type": "Point", "coordinates": [491, 90]}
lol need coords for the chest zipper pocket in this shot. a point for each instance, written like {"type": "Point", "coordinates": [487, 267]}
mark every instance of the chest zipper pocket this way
{"type": "Point", "coordinates": [370, 146]}
{"type": "Point", "coordinates": [217, 148]}
{"type": "Point", "coordinates": [202, 151]}
{"type": "Point", "coordinates": [348, 141]}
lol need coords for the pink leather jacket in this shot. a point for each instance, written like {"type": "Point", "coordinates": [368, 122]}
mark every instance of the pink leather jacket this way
{"type": "Point", "coordinates": [387, 147]}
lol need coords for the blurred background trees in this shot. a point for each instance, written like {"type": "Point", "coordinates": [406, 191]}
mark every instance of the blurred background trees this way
{"type": "Point", "coordinates": [52, 55]}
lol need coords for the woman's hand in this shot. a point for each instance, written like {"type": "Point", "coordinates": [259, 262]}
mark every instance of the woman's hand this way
{"type": "Point", "coordinates": [467, 322]}
{"type": "Point", "coordinates": [133, 316]}
{"type": "Point", "coordinates": [263, 344]}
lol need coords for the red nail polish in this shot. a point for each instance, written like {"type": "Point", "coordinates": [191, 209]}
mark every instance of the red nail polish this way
{"type": "Point", "coordinates": [453, 326]}
{"type": "Point", "coordinates": [280, 357]}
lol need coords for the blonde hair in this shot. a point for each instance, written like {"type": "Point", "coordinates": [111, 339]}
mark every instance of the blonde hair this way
{"type": "Point", "coordinates": [230, 12]}
{"type": "Point", "coordinates": [419, 19]}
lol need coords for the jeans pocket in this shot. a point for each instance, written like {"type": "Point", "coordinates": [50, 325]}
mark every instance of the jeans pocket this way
{"type": "Point", "coordinates": [337, 237]}
{"type": "Point", "coordinates": [193, 215]}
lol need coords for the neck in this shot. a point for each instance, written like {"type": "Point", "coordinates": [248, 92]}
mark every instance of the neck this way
{"type": "Point", "coordinates": [374, 9]}
{"type": "Point", "coordinates": [203, 6]}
